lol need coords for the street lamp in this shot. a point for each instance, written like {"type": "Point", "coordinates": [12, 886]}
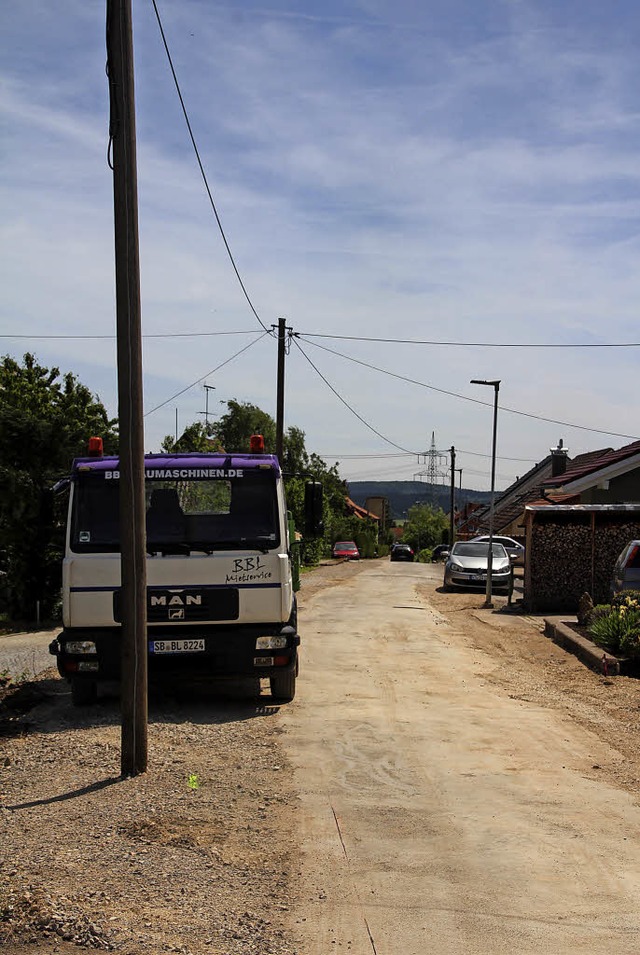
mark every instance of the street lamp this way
{"type": "Point", "coordinates": [496, 388]}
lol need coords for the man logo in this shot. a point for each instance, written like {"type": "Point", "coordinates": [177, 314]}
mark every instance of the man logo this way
{"type": "Point", "coordinates": [176, 600]}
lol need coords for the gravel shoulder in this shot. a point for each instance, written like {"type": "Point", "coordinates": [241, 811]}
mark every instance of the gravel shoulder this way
{"type": "Point", "coordinates": [202, 853]}
{"type": "Point", "coordinates": [152, 863]}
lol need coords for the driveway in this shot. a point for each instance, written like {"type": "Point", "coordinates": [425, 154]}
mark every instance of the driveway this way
{"type": "Point", "coordinates": [437, 812]}
{"type": "Point", "coordinates": [25, 655]}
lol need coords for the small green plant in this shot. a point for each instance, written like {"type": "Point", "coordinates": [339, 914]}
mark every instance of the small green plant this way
{"type": "Point", "coordinates": [425, 556]}
{"type": "Point", "coordinates": [193, 782]}
{"type": "Point", "coordinates": [618, 630]}
{"type": "Point", "coordinates": [597, 613]}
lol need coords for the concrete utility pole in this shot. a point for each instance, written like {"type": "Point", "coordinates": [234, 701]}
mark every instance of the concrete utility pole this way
{"type": "Point", "coordinates": [280, 391]}
{"type": "Point", "coordinates": [132, 504]}
{"type": "Point", "coordinates": [496, 390]}
{"type": "Point", "coordinates": [452, 501]}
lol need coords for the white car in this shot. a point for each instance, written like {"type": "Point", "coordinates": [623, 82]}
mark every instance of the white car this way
{"type": "Point", "coordinates": [512, 547]}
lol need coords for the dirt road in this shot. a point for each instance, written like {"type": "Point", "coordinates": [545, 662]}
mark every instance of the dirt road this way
{"type": "Point", "coordinates": [439, 813]}
{"type": "Point", "coordinates": [447, 781]}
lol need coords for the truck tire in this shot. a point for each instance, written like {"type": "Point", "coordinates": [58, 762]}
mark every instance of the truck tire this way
{"type": "Point", "coordinates": [283, 687]}
{"type": "Point", "coordinates": [83, 692]}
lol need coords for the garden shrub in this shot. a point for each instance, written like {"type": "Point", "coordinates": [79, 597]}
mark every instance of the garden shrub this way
{"type": "Point", "coordinates": [618, 630]}
{"type": "Point", "coordinates": [630, 644]}
{"type": "Point", "coordinates": [425, 556]}
{"type": "Point", "coordinates": [596, 613]}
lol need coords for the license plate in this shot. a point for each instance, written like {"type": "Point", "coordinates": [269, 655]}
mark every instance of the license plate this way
{"type": "Point", "coordinates": [478, 577]}
{"type": "Point", "coordinates": [176, 646]}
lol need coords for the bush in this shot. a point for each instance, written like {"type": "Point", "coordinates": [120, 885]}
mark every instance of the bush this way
{"type": "Point", "coordinates": [425, 556]}
{"type": "Point", "coordinates": [630, 644]}
{"type": "Point", "coordinates": [618, 630]}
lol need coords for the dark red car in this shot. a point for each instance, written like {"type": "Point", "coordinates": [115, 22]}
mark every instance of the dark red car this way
{"type": "Point", "coordinates": [346, 549]}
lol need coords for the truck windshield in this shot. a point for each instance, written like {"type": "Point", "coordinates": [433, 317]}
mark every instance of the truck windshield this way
{"type": "Point", "coordinates": [181, 515]}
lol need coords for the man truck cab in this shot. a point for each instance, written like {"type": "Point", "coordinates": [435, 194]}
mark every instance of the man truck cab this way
{"type": "Point", "coordinates": [220, 587]}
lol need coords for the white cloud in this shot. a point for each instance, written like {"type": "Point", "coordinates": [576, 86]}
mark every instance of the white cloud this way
{"type": "Point", "coordinates": [380, 170]}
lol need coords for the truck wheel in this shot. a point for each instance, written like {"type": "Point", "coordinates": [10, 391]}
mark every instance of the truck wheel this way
{"type": "Point", "coordinates": [283, 687]}
{"type": "Point", "coordinates": [83, 692]}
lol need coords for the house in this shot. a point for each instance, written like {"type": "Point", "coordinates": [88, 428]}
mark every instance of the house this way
{"type": "Point", "coordinates": [356, 511]}
{"type": "Point", "coordinates": [602, 477]}
{"type": "Point", "coordinates": [508, 509]}
{"type": "Point", "coordinates": [380, 506]}
{"type": "Point", "coordinates": [577, 515]}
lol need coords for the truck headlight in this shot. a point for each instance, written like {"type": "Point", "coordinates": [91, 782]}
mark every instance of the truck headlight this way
{"type": "Point", "coordinates": [271, 643]}
{"type": "Point", "coordinates": [80, 646]}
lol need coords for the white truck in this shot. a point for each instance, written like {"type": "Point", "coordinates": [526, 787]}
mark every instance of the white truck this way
{"type": "Point", "coordinates": [220, 587]}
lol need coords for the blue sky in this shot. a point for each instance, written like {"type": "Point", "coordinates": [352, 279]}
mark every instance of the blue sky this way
{"type": "Point", "coordinates": [456, 171]}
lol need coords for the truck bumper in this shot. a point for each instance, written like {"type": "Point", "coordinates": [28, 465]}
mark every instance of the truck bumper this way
{"type": "Point", "coordinates": [202, 653]}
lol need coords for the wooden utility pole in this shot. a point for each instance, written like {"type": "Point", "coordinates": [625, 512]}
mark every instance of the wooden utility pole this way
{"type": "Point", "coordinates": [132, 504]}
{"type": "Point", "coordinates": [280, 391]}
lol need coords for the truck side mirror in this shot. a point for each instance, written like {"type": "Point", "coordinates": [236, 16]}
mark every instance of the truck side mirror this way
{"type": "Point", "coordinates": [313, 500]}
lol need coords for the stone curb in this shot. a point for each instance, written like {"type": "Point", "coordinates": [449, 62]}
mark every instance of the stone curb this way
{"type": "Point", "coordinates": [594, 657]}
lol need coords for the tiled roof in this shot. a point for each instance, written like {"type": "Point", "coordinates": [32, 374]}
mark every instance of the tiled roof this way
{"type": "Point", "coordinates": [358, 511]}
{"type": "Point", "coordinates": [586, 464]}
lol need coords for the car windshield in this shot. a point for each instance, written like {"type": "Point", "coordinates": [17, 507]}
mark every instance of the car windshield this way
{"type": "Point", "coordinates": [181, 515]}
{"type": "Point", "coordinates": [476, 549]}
{"type": "Point", "coordinates": [345, 545]}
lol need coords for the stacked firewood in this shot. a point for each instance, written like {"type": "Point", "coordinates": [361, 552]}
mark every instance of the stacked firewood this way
{"type": "Point", "coordinates": [560, 556]}
{"type": "Point", "coordinates": [567, 559]}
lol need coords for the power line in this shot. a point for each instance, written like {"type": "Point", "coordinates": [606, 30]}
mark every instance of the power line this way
{"type": "Point", "coordinates": [347, 405]}
{"type": "Point", "coordinates": [479, 454]}
{"type": "Point", "coordinates": [412, 341]}
{"type": "Point", "coordinates": [213, 370]}
{"type": "Point", "coordinates": [354, 338]}
{"type": "Point", "coordinates": [202, 172]}
{"type": "Point", "coordinates": [477, 401]}
{"type": "Point", "coordinates": [250, 331]}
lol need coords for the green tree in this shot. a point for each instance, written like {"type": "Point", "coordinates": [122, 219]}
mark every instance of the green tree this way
{"type": "Point", "coordinates": [195, 437]}
{"type": "Point", "coordinates": [46, 420]}
{"type": "Point", "coordinates": [425, 526]}
{"type": "Point", "coordinates": [234, 429]}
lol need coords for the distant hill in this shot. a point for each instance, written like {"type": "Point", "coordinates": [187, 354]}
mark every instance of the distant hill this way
{"type": "Point", "coordinates": [403, 494]}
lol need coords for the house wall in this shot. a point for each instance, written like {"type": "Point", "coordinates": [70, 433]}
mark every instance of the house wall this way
{"type": "Point", "coordinates": [624, 489]}
{"type": "Point", "coordinates": [570, 552]}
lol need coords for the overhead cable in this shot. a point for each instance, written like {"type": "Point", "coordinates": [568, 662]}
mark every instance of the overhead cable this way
{"type": "Point", "coordinates": [477, 401]}
{"type": "Point", "coordinates": [414, 341]}
{"type": "Point", "coordinates": [250, 331]}
{"type": "Point", "coordinates": [213, 370]}
{"type": "Point", "coordinates": [347, 405]}
{"type": "Point", "coordinates": [202, 172]}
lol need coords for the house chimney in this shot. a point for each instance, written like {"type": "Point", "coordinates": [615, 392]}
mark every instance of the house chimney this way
{"type": "Point", "coordinates": [559, 459]}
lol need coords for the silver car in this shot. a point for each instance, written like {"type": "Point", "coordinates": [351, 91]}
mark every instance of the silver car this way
{"type": "Point", "coordinates": [626, 572]}
{"type": "Point", "coordinates": [514, 549]}
{"type": "Point", "coordinates": [466, 566]}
